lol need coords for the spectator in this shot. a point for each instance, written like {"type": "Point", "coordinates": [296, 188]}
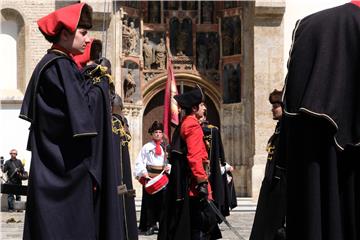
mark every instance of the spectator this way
{"type": "Point", "coordinates": [15, 174]}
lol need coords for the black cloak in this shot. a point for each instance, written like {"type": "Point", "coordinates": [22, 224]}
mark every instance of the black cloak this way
{"type": "Point", "coordinates": [271, 206]}
{"type": "Point", "coordinates": [321, 128]}
{"type": "Point", "coordinates": [223, 192]}
{"type": "Point", "coordinates": [69, 124]}
{"type": "Point", "coordinates": [123, 166]}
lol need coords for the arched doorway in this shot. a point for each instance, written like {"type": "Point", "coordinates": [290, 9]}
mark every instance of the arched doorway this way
{"type": "Point", "coordinates": [155, 109]}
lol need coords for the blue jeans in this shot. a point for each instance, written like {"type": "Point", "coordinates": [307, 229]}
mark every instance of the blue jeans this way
{"type": "Point", "coordinates": [11, 200]}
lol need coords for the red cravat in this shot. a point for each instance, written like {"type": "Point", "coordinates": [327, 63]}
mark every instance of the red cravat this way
{"type": "Point", "coordinates": [158, 148]}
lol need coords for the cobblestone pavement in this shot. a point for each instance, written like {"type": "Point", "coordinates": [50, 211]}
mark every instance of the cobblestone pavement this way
{"type": "Point", "coordinates": [12, 226]}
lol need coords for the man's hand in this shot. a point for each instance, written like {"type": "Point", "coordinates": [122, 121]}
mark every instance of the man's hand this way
{"type": "Point", "coordinates": [168, 168]}
{"type": "Point", "coordinates": [203, 190]}
{"type": "Point", "coordinates": [144, 179]}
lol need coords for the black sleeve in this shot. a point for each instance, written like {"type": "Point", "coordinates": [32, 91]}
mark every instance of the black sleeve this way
{"type": "Point", "coordinates": [77, 105]}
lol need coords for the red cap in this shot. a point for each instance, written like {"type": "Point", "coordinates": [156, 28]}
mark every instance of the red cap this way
{"type": "Point", "coordinates": [68, 17]}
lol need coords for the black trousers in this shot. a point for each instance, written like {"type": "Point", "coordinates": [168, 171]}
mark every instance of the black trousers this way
{"type": "Point", "coordinates": [151, 209]}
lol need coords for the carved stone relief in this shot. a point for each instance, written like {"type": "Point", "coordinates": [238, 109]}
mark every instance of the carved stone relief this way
{"type": "Point", "coordinates": [148, 53]}
{"type": "Point", "coordinates": [131, 82]}
{"type": "Point", "coordinates": [231, 83]}
{"type": "Point", "coordinates": [160, 55]}
{"type": "Point", "coordinates": [154, 51]}
{"type": "Point", "coordinates": [130, 34]}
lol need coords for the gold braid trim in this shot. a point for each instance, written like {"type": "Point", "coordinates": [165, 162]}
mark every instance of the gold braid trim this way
{"type": "Point", "coordinates": [99, 72]}
{"type": "Point", "coordinates": [118, 128]}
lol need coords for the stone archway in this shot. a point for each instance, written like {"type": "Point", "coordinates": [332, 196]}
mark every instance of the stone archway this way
{"type": "Point", "coordinates": [154, 100]}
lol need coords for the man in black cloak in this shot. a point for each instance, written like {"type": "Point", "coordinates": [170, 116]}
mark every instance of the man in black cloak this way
{"type": "Point", "coordinates": [220, 177]}
{"type": "Point", "coordinates": [321, 127]}
{"type": "Point", "coordinates": [72, 182]}
{"type": "Point", "coordinates": [269, 221]}
{"type": "Point", "coordinates": [126, 192]}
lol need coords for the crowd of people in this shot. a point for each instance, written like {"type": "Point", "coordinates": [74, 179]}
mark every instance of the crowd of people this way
{"type": "Point", "coordinates": [80, 181]}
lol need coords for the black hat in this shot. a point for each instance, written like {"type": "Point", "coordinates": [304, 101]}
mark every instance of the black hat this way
{"type": "Point", "coordinates": [85, 20]}
{"type": "Point", "coordinates": [275, 96]}
{"type": "Point", "coordinates": [96, 49]}
{"type": "Point", "coordinates": [191, 98]}
{"type": "Point", "coordinates": [156, 126]}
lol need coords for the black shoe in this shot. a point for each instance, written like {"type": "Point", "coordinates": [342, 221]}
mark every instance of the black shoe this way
{"type": "Point", "coordinates": [150, 231]}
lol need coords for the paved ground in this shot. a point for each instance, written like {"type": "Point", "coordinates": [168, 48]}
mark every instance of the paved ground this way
{"type": "Point", "coordinates": [241, 219]}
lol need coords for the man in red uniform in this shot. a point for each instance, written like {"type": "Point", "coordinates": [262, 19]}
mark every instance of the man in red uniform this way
{"type": "Point", "coordinates": [187, 215]}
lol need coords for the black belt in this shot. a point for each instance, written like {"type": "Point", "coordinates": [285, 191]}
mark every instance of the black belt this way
{"type": "Point", "coordinates": [156, 170]}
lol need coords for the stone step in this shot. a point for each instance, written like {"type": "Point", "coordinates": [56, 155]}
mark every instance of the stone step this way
{"type": "Point", "coordinates": [245, 204]}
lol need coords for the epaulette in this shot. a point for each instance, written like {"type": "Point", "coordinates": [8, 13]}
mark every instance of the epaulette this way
{"type": "Point", "coordinates": [118, 128]}
{"type": "Point", "coordinates": [100, 72]}
{"type": "Point", "coordinates": [212, 126]}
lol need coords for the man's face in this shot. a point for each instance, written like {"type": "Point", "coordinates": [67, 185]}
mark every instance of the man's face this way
{"type": "Point", "coordinates": [276, 111]}
{"type": "Point", "coordinates": [13, 154]}
{"type": "Point", "coordinates": [157, 135]}
{"type": "Point", "coordinates": [77, 41]}
{"type": "Point", "coordinates": [200, 112]}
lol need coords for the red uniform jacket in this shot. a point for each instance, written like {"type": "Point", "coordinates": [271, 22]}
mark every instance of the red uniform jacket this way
{"type": "Point", "coordinates": [191, 132]}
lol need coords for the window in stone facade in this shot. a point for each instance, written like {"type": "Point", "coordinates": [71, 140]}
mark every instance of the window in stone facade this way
{"type": "Point", "coordinates": [12, 45]}
{"type": "Point", "coordinates": [154, 12]}
{"type": "Point", "coordinates": [8, 48]}
{"type": "Point", "coordinates": [231, 83]}
{"type": "Point", "coordinates": [181, 37]}
{"type": "Point", "coordinates": [231, 35]}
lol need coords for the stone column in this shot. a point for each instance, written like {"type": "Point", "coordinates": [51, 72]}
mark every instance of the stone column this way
{"type": "Point", "coordinates": [268, 67]}
{"type": "Point", "coordinates": [134, 115]}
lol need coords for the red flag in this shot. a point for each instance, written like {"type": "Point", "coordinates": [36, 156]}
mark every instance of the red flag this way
{"type": "Point", "coordinates": [171, 113]}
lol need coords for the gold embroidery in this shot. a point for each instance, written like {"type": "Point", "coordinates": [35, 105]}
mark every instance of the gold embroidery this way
{"type": "Point", "coordinates": [118, 128]}
{"type": "Point", "coordinates": [96, 78]}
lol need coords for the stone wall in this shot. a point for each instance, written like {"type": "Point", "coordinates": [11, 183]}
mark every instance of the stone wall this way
{"type": "Point", "coordinates": [268, 62]}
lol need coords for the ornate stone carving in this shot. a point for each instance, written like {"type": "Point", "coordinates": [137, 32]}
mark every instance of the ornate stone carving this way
{"type": "Point", "coordinates": [129, 87]}
{"type": "Point", "coordinates": [130, 37]}
{"type": "Point", "coordinates": [147, 53]}
{"type": "Point", "coordinates": [183, 63]}
{"type": "Point", "coordinates": [135, 112]}
{"type": "Point", "coordinates": [160, 54]}
{"type": "Point", "coordinates": [181, 42]}
{"type": "Point", "coordinates": [150, 75]}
